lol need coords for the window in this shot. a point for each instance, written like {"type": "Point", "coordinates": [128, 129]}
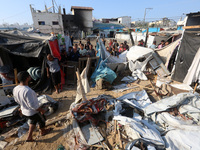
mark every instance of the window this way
{"type": "Point", "coordinates": [55, 23]}
{"type": "Point", "coordinates": [41, 22]}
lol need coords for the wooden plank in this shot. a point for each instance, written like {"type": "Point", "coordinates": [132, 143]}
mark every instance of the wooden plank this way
{"type": "Point", "coordinates": [8, 85]}
{"type": "Point", "coordinates": [192, 27]}
{"type": "Point", "coordinates": [81, 86]}
{"type": "Point", "coordinates": [15, 73]}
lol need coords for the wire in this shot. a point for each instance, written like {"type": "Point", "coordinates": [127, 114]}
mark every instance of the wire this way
{"type": "Point", "coordinates": [15, 15]}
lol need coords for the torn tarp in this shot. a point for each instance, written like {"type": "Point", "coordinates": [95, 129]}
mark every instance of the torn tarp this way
{"type": "Point", "coordinates": [103, 72]}
{"type": "Point", "coordinates": [138, 100]}
{"type": "Point", "coordinates": [144, 129]}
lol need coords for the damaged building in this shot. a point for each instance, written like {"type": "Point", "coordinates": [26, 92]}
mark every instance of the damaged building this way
{"type": "Point", "coordinates": [48, 21]}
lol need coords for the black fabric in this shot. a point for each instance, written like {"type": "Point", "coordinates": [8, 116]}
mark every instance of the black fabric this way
{"type": "Point", "coordinates": [56, 78]}
{"type": "Point", "coordinates": [37, 118]}
{"type": "Point", "coordinates": [188, 49]}
{"type": "Point", "coordinates": [21, 45]}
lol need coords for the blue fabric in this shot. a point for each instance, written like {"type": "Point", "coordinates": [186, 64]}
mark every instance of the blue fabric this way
{"type": "Point", "coordinates": [152, 30]}
{"type": "Point", "coordinates": [104, 72]}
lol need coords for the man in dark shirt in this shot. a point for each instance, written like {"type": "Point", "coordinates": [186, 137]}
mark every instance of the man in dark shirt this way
{"type": "Point", "coordinates": [91, 51]}
{"type": "Point", "coordinates": [74, 55]}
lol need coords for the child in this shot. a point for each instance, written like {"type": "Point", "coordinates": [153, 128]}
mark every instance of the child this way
{"type": "Point", "coordinates": [54, 68]}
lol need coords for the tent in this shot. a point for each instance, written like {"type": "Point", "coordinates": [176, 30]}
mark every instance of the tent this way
{"type": "Point", "coordinates": [23, 52]}
{"type": "Point", "coordinates": [190, 44]}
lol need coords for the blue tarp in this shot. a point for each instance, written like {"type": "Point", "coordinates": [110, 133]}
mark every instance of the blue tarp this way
{"type": "Point", "coordinates": [107, 26]}
{"type": "Point", "coordinates": [152, 30]}
{"type": "Point", "coordinates": [103, 71]}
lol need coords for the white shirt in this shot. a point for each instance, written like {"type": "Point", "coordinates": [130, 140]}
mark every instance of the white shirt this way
{"type": "Point", "coordinates": [83, 52]}
{"type": "Point", "coordinates": [27, 99]}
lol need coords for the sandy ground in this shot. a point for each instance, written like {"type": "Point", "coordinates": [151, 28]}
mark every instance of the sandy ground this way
{"type": "Point", "coordinates": [59, 136]}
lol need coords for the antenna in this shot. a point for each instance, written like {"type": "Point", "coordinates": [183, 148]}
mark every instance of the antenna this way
{"type": "Point", "coordinates": [53, 6]}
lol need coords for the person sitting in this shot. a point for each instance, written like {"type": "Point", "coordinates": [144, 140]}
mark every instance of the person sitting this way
{"type": "Point", "coordinates": [82, 51]}
{"type": "Point", "coordinates": [125, 45]}
{"type": "Point", "coordinates": [110, 43]}
{"type": "Point", "coordinates": [108, 49]}
{"type": "Point", "coordinates": [121, 48]}
{"type": "Point", "coordinates": [153, 46]}
{"type": "Point", "coordinates": [91, 51]}
{"type": "Point", "coordinates": [7, 78]}
{"type": "Point", "coordinates": [74, 56]}
{"type": "Point", "coordinates": [161, 45]}
{"type": "Point", "coordinates": [54, 68]}
{"type": "Point", "coordinates": [166, 43]}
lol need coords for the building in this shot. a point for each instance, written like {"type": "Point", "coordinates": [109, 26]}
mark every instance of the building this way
{"type": "Point", "coordinates": [124, 20]}
{"type": "Point", "coordinates": [164, 22]}
{"type": "Point", "coordinates": [47, 21]}
{"type": "Point", "coordinates": [83, 17]}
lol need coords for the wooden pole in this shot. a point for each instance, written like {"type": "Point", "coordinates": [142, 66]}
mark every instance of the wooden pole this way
{"type": "Point", "coordinates": [15, 73]}
{"type": "Point", "coordinates": [145, 43]}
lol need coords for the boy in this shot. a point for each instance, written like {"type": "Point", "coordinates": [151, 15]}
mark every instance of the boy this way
{"type": "Point", "coordinates": [54, 68]}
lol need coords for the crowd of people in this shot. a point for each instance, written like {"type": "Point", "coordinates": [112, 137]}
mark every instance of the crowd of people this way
{"type": "Point", "coordinates": [159, 46]}
{"type": "Point", "coordinates": [114, 48]}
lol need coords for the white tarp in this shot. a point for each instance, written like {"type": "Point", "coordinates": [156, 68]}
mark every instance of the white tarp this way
{"type": "Point", "coordinates": [168, 102]}
{"type": "Point", "coordinates": [136, 52]}
{"type": "Point", "coordinates": [144, 129]}
{"type": "Point", "coordinates": [84, 81]}
{"type": "Point", "coordinates": [194, 70]}
{"type": "Point", "coordinates": [166, 52]}
{"type": "Point", "coordinates": [136, 99]}
{"type": "Point", "coordinates": [182, 140]}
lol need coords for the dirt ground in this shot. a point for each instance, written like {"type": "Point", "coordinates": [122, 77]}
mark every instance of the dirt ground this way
{"type": "Point", "coordinates": [59, 136]}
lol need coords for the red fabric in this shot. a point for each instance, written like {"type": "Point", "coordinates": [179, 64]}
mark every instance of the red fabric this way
{"type": "Point", "coordinates": [55, 48]}
{"type": "Point", "coordinates": [56, 53]}
{"type": "Point", "coordinates": [62, 78]}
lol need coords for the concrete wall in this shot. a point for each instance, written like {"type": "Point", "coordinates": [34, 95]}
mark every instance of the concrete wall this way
{"type": "Point", "coordinates": [83, 18]}
{"type": "Point", "coordinates": [48, 18]}
{"type": "Point", "coordinates": [126, 21]}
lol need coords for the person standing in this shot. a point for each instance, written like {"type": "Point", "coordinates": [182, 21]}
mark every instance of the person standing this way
{"type": "Point", "coordinates": [54, 68]}
{"type": "Point", "coordinates": [29, 104]}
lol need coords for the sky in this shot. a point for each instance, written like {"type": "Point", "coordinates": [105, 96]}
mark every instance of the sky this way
{"type": "Point", "coordinates": [18, 11]}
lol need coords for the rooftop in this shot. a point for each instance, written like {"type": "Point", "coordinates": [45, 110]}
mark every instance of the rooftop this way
{"type": "Point", "coordinates": [80, 7]}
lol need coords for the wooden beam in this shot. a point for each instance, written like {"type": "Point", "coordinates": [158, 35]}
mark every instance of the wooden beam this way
{"type": "Point", "coordinates": [192, 27]}
{"type": "Point", "coordinates": [15, 73]}
{"type": "Point", "coordinates": [8, 85]}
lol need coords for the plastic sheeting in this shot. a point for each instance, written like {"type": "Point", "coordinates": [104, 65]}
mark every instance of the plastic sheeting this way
{"type": "Point", "coordinates": [189, 46]}
{"type": "Point", "coordinates": [137, 52]}
{"type": "Point", "coordinates": [143, 128]}
{"type": "Point", "coordinates": [166, 52]}
{"type": "Point", "coordinates": [194, 70]}
{"type": "Point", "coordinates": [22, 45]}
{"type": "Point", "coordinates": [168, 102]}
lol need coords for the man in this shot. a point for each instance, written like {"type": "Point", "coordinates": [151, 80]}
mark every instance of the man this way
{"type": "Point", "coordinates": [121, 48]}
{"type": "Point", "coordinates": [82, 51]}
{"type": "Point", "coordinates": [91, 51]}
{"type": "Point", "coordinates": [54, 68]}
{"type": "Point", "coordinates": [27, 99]}
{"type": "Point", "coordinates": [74, 55]}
